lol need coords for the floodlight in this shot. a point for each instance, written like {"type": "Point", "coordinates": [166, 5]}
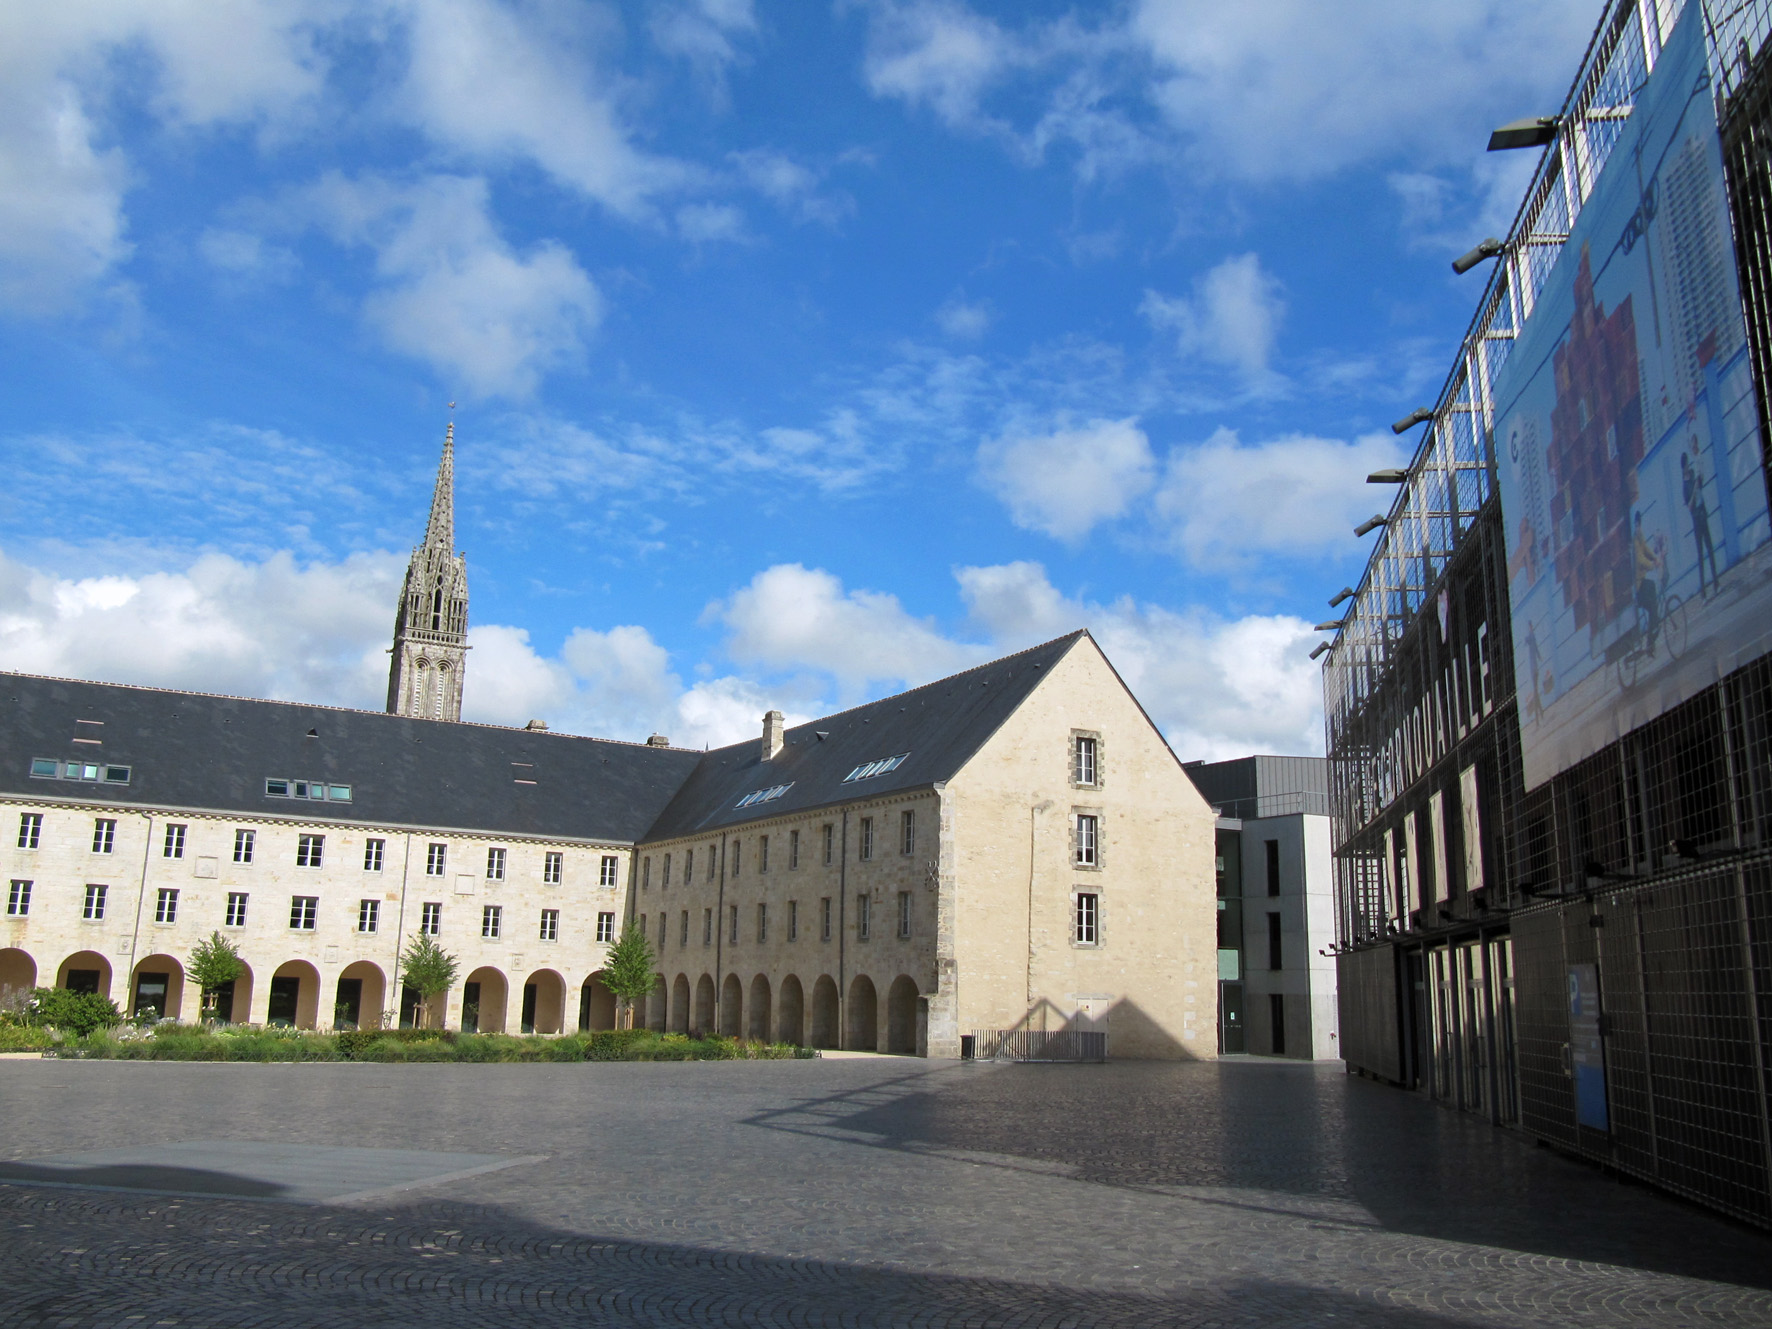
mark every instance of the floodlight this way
{"type": "Point", "coordinates": [1345, 593]}
{"type": "Point", "coordinates": [1371, 524]}
{"type": "Point", "coordinates": [1532, 132]}
{"type": "Point", "coordinates": [1489, 248]}
{"type": "Point", "coordinates": [1414, 418]}
{"type": "Point", "coordinates": [1333, 625]}
{"type": "Point", "coordinates": [1393, 476]}
{"type": "Point", "coordinates": [1321, 647]}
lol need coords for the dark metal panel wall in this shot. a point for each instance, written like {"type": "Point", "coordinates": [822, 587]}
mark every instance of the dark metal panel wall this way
{"type": "Point", "coordinates": [1366, 982]}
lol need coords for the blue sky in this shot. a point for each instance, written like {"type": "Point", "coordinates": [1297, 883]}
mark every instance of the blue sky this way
{"type": "Point", "coordinates": [800, 351]}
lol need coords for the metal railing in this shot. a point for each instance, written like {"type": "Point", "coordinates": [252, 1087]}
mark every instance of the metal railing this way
{"type": "Point", "coordinates": [1039, 1045]}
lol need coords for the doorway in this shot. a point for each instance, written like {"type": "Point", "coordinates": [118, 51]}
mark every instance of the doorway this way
{"type": "Point", "coordinates": [285, 1000]}
{"type": "Point", "coordinates": [150, 993]}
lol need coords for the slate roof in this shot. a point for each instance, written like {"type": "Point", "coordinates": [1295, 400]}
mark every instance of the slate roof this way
{"type": "Point", "coordinates": [939, 725]}
{"type": "Point", "coordinates": [202, 752]}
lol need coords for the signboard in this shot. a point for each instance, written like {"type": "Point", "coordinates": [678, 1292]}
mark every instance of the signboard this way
{"type": "Point", "coordinates": [1627, 442]}
{"type": "Point", "coordinates": [1587, 1050]}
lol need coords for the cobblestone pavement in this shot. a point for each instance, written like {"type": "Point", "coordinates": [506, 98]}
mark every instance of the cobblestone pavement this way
{"type": "Point", "coordinates": [855, 1193]}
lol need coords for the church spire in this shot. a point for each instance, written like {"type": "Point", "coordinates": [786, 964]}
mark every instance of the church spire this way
{"type": "Point", "coordinates": [431, 624]}
{"type": "Point", "coordinates": [441, 531]}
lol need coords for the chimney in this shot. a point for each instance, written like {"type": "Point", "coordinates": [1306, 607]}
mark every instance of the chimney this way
{"type": "Point", "coordinates": [658, 741]}
{"type": "Point", "coordinates": [775, 728]}
{"type": "Point", "coordinates": [537, 726]}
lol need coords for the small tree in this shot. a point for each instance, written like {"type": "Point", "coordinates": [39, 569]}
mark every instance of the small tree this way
{"type": "Point", "coordinates": [76, 1013]}
{"type": "Point", "coordinates": [214, 964]}
{"type": "Point", "coordinates": [428, 969]}
{"type": "Point", "coordinates": [628, 972]}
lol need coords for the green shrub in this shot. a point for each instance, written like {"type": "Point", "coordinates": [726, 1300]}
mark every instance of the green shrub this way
{"type": "Point", "coordinates": [352, 1043]}
{"type": "Point", "coordinates": [24, 1038]}
{"type": "Point", "coordinates": [76, 1013]}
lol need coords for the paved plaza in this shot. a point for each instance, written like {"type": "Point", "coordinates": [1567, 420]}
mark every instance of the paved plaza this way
{"type": "Point", "coordinates": [854, 1192]}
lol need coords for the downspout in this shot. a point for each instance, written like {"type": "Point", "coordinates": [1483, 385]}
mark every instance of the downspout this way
{"type": "Point", "coordinates": [843, 933]}
{"type": "Point", "coordinates": [135, 934]}
{"type": "Point", "coordinates": [1033, 858]}
{"type": "Point", "coordinates": [399, 992]}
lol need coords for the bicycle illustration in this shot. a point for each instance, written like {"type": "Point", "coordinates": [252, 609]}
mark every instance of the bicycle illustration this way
{"type": "Point", "coordinates": [1635, 646]}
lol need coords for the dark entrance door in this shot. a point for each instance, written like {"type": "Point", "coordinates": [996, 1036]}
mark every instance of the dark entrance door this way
{"type": "Point", "coordinates": [347, 1009]}
{"type": "Point", "coordinates": [1230, 1018]}
{"type": "Point", "coordinates": [285, 997]}
{"type": "Point", "coordinates": [529, 1008]}
{"type": "Point", "coordinates": [411, 1000]}
{"type": "Point", "coordinates": [150, 993]}
{"type": "Point", "coordinates": [83, 980]}
{"type": "Point", "coordinates": [1415, 1026]}
{"type": "Point", "coordinates": [470, 1008]}
{"type": "Point", "coordinates": [224, 1002]}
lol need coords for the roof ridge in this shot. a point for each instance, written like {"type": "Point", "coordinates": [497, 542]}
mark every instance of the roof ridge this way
{"type": "Point", "coordinates": [326, 706]}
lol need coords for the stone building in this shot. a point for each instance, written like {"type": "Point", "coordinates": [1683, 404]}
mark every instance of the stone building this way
{"type": "Point", "coordinates": [1014, 848]}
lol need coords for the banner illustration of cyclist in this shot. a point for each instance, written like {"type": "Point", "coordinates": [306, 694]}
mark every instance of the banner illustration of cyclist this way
{"type": "Point", "coordinates": [1627, 442]}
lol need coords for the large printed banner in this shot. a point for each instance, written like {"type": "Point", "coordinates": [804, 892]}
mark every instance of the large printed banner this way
{"type": "Point", "coordinates": [1628, 443]}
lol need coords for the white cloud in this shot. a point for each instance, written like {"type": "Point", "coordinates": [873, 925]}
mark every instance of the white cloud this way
{"type": "Point", "coordinates": [1350, 82]}
{"type": "Point", "coordinates": [1224, 503]}
{"type": "Point", "coordinates": [794, 617]}
{"type": "Point", "coordinates": [964, 320]}
{"type": "Point", "coordinates": [708, 223]}
{"type": "Point", "coordinates": [501, 82]}
{"type": "Point", "coordinates": [62, 222]}
{"type": "Point", "coordinates": [790, 185]}
{"type": "Point", "coordinates": [1217, 687]}
{"type": "Point", "coordinates": [314, 632]}
{"type": "Point", "coordinates": [704, 33]}
{"type": "Point", "coordinates": [1066, 482]}
{"type": "Point", "coordinates": [453, 292]}
{"type": "Point", "coordinates": [936, 53]}
{"type": "Point", "coordinates": [1231, 319]}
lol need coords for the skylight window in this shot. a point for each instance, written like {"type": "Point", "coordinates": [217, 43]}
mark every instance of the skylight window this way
{"type": "Point", "coordinates": [873, 768]}
{"type": "Point", "coordinates": [318, 790]}
{"type": "Point", "coordinates": [48, 768]}
{"type": "Point", "coordinates": [765, 795]}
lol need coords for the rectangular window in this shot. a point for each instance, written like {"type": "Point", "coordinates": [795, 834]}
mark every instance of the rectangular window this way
{"type": "Point", "coordinates": [174, 844]}
{"type": "Point", "coordinates": [825, 908]}
{"type": "Point", "coordinates": [18, 900]}
{"type": "Point", "coordinates": [689, 867]}
{"type": "Point", "coordinates": [1273, 866]}
{"type": "Point", "coordinates": [707, 927]}
{"type": "Point", "coordinates": [430, 922]}
{"type": "Point", "coordinates": [907, 832]}
{"type": "Point", "coordinates": [1083, 768]}
{"type": "Point", "coordinates": [664, 880]}
{"type": "Point", "coordinates": [1087, 927]}
{"type": "Point", "coordinates": [236, 914]}
{"type": "Point", "coordinates": [309, 850]}
{"type": "Point", "coordinates": [762, 922]}
{"type": "Point", "coordinates": [303, 911]}
{"type": "Point", "coordinates": [793, 850]}
{"type": "Point", "coordinates": [1276, 1014]}
{"type": "Point", "coordinates": [713, 863]}
{"type": "Point", "coordinates": [1088, 840]}
{"type": "Point", "coordinates": [1273, 941]}
{"type": "Point", "coordinates": [436, 860]}
{"type": "Point", "coordinates": [830, 839]}
{"type": "Point", "coordinates": [793, 920]}
{"type": "Point", "coordinates": [243, 844]}
{"type": "Point", "coordinates": [30, 829]}
{"type": "Point", "coordinates": [550, 925]}
{"type": "Point", "coordinates": [310, 789]}
{"type": "Point", "coordinates": [664, 923]}
{"type": "Point", "coordinates": [372, 854]}
{"type": "Point", "coordinates": [763, 853]}
{"type": "Point", "coordinates": [605, 926]}
{"type": "Point", "coordinates": [732, 930]}
{"type": "Point", "coordinates": [683, 934]}
{"type": "Point", "coordinates": [368, 915]}
{"type": "Point", "coordinates": [495, 864]}
{"type": "Point", "coordinates": [165, 906]}
{"type": "Point", "coordinates": [867, 839]}
{"type": "Point", "coordinates": [491, 920]}
{"type": "Point", "coordinates": [646, 872]}
{"type": "Point", "coordinates": [104, 835]}
{"type": "Point", "coordinates": [49, 768]}
{"type": "Point", "coordinates": [864, 916]}
{"type": "Point", "coordinates": [553, 869]}
{"type": "Point", "coordinates": [904, 913]}
{"type": "Point", "coordinates": [95, 901]}
{"type": "Point", "coordinates": [737, 856]}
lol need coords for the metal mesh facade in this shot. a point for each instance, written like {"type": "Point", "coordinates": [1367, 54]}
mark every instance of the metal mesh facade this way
{"type": "Point", "coordinates": [1465, 901]}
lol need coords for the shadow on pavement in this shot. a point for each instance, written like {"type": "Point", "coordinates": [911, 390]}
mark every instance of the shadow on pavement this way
{"type": "Point", "coordinates": [143, 1177]}
{"type": "Point", "coordinates": [1250, 1135]}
